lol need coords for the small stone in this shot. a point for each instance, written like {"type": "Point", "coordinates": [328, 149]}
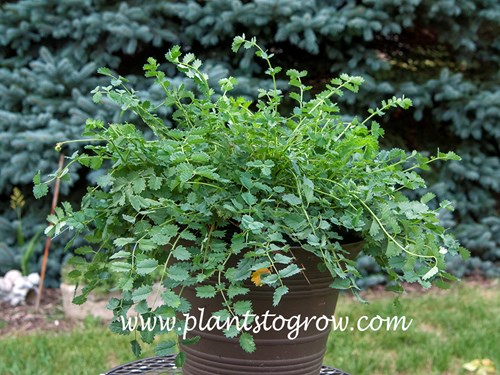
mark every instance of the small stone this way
{"type": "Point", "coordinates": [3, 295]}
{"type": "Point", "coordinates": [22, 283]}
{"type": "Point", "coordinates": [5, 285]}
{"type": "Point", "coordinates": [13, 275]}
{"type": "Point", "coordinates": [19, 290]}
{"type": "Point", "coordinates": [34, 278]}
{"type": "Point", "coordinates": [17, 296]}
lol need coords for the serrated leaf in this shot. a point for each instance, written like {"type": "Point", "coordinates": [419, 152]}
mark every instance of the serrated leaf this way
{"type": "Point", "coordinates": [116, 327]}
{"type": "Point", "coordinates": [339, 283]}
{"type": "Point", "coordinates": [427, 197]}
{"type": "Point", "coordinates": [77, 261]}
{"type": "Point", "coordinates": [104, 71]}
{"type": "Point", "coordinates": [180, 359]}
{"type": "Point", "coordinates": [147, 245]}
{"type": "Point", "coordinates": [141, 293]}
{"type": "Point", "coordinates": [434, 270]}
{"type": "Point", "coordinates": [113, 303]}
{"type": "Point", "coordinates": [249, 198]}
{"type": "Point", "coordinates": [450, 155]}
{"type": "Point", "coordinates": [247, 343]}
{"type": "Point", "coordinates": [185, 175]}
{"type": "Point", "coordinates": [128, 218]}
{"type": "Point", "coordinates": [185, 306]}
{"type": "Point", "coordinates": [120, 242]}
{"type": "Point", "coordinates": [36, 178]}
{"type": "Point", "coordinates": [186, 235]}
{"type": "Point", "coordinates": [289, 270]}
{"type": "Point", "coordinates": [138, 185]}
{"type": "Point", "coordinates": [236, 290]}
{"type": "Point", "coordinates": [308, 188]}
{"type": "Point", "coordinates": [126, 283]}
{"type": "Point", "coordinates": [84, 250]}
{"type": "Point", "coordinates": [146, 266]}
{"type": "Point", "coordinates": [148, 335]}
{"type": "Point", "coordinates": [154, 183]}
{"type": "Point", "coordinates": [40, 190]}
{"type": "Point", "coordinates": [242, 307]}
{"type": "Point", "coordinates": [171, 299]}
{"type": "Point", "coordinates": [222, 315]}
{"type": "Point", "coordinates": [464, 253]}
{"type": "Point", "coordinates": [97, 97]}
{"type": "Point", "coordinates": [181, 253]}
{"type": "Point", "coordinates": [165, 348]}
{"type": "Point", "coordinates": [292, 199]}
{"type": "Point", "coordinates": [161, 239]}
{"type": "Point", "coordinates": [250, 223]}
{"type": "Point", "coordinates": [164, 312]}
{"type": "Point", "coordinates": [136, 348]}
{"type": "Point", "coordinates": [78, 300]}
{"type": "Point", "coordinates": [138, 202]}
{"type": "Point", "coordinates": [392, 249]}
{"type": "Point", "coordinates": [142, 307]}
{"type": "Point", "coordinates": [178, 273]}
{"type": "Point", "coordinates": [92, 162]}
{"type": "Point", "coordinates": [237, 42]}
{"type": "Point", "coordinates": [294, 221]}
{"type": "Point", "coordinates": [205, 291]}
{"type": "Point", "coordinates": [374, 228]}
{"type": "Point", "coordinates": [442, 284]}
{"type": "Point", "coordinates": [208, 173]}
{"type": "Point", "coordinates": [162, 235]}
{"type": "Point", "coordinates": [278, 294]}
{"type": "Point", "coordinates": [231, 332]}
{"type": "Point", "coordinates": [120, 267]}
{"type": "Point", "coordinates": [73, 275]}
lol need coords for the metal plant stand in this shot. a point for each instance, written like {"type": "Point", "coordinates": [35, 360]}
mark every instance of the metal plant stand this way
{"type": "Point", "coordinates": [165, 366]}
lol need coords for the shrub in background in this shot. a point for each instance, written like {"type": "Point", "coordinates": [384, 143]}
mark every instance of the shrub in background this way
{"type": "Point", "coordinates": [443, 54]}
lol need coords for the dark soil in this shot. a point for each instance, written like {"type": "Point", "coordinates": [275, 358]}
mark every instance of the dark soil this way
{"type": "Point", "coordinates": [25, 319]}
{"type": "Point", "coordinates": [15, 320]}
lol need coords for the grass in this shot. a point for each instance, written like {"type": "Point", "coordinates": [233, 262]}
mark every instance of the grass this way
{"type": "Point", "coordinates": [449, 329]}
{"type": "Point", "coordinates": [89, 350]}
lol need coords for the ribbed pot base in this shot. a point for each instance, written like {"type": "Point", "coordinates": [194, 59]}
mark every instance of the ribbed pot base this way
{"type": "Point", "coordinates": [218, 364]}
{"type": "Point", "coordinates": [309, 297]}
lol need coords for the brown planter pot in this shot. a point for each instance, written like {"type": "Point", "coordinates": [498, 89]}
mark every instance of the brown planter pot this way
{"type": "Point", "coordinates": [275, 353]}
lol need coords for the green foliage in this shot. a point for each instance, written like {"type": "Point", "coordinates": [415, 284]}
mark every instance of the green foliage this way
{"type": "Point", "coordinates": [234, 177]}
{"type": "Point", "coordinates": [20, 255]}
{"type": "Point", "coordinates": [443, 54]}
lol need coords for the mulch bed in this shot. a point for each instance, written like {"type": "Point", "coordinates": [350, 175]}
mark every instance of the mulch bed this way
{"type": "Point", "coordinates": [25, 319]}
{"type": "Point", "coordinates": [50, 317]}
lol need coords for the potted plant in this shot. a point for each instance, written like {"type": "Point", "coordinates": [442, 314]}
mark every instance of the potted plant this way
{"type": "Point", "coordinates": [238, 204]}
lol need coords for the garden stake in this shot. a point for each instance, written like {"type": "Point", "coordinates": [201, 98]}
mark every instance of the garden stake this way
{"type": "Point", "coordinates": [47, 241]}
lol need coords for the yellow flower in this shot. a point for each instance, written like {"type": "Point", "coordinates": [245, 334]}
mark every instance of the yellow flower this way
{"type": "Point", "coordinates": [256, 275]}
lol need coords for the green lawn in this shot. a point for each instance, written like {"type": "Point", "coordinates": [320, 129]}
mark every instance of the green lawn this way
{"type": "Point", "coordinates": [449, 329]}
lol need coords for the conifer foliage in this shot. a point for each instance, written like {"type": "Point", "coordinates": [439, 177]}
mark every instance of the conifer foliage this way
{"type": "Point", "coordinates": [443, 54]}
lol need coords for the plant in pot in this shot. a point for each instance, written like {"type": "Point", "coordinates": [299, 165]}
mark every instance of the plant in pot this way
{"type": "Point", "coordinates": [251, 214]}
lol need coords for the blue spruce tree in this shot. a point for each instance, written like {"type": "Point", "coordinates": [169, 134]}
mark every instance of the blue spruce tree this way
{"type": "Point", "coordinates": [444, 54]}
